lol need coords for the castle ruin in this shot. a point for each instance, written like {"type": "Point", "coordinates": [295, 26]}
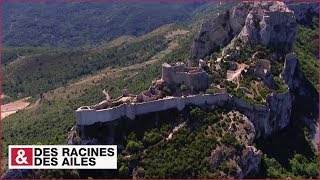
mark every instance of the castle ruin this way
{"type": "Point", "coordinates": [194, 78]}
{"type": "Point", "coordinates": [154, 99]}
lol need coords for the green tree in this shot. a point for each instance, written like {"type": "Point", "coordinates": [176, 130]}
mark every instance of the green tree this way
{"type": "Point", "coordinates": [134, 146]}
{"type": "Point", "coordinates": [183, 87]}
{"type": "Point", "coordinates": [124, 171]}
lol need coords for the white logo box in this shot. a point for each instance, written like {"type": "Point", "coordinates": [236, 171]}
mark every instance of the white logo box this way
{"type": "Point", "coordinates": [101, 162]}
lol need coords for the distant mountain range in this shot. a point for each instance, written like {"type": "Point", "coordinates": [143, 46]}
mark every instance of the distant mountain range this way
{"type": "Point", "coordinates": [86, 23]}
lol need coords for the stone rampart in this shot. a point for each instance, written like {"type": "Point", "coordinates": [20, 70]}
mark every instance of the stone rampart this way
{"type": "Point", "coordinates": [266, 118]}
{"type": "Point", "coordinates": [91, 116]}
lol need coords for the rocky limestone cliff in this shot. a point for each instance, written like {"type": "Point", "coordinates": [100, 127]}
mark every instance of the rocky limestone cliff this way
{"type": "Point", "coordinates": [271, 24]}
{"type": "Point", "coordinates": [217, 32]}
{"type": "Point", "coordinates": [270, 118]}
{"type": "Point", "coordinates": [267, 23]}
{"type": "Point", "coordinates": [295, 78]}
{"type": "Point", "coordinates": [305, 93]}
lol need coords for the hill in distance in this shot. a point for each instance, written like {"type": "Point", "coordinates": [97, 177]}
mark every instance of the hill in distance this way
{"type": "Point", "coordinates": [79, 24]}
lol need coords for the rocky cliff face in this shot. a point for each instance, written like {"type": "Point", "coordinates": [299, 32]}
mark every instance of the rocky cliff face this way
{"type": "Point", "coordinates": [280, 105]}
{"type": "Point", "coordinates": [269, 118]}
{"type": "Point", "coordinates": [271, 24]}
{"type": "Point", "coordinates": [295, 78]}
{"type": "Point", "coordinates": [217, 32]}
{"type": "Point", "coordinates": [299, 85]}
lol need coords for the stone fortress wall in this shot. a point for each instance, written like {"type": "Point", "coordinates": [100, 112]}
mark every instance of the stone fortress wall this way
{"type": "Point", "coordinates": [91, 116]}
{"type": "Point", "coordinates": [265, 118]}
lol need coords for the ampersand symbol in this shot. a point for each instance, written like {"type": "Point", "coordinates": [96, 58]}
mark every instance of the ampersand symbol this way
{"type": "Point", "coordinates": [20, 159]}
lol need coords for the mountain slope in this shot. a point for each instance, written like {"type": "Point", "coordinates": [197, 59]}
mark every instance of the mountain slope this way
{"type": "Point", "coordinates": [55, 68]}
{"type": "Point", "coordinates": [85, 23]}
{"type": "Point", "coordinates": [49, 121]}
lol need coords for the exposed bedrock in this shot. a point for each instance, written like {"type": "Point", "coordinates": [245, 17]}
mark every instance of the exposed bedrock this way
{"type": "Point", "coordinates": [246, 162]}
{"type": "Point", "coordinates": [299, 85]}
{"type": "Point", "coordinates": [271, 24]}
{"type": "Point", "coordinates": [295, 79]}
{"type": "Point", "coordinates": [269, 118]}
{"type": "Point", "coordinates": [217, 32]}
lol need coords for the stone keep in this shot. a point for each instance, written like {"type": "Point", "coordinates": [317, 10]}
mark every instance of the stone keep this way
{"type": "Point", "coordinates": [193, 77]}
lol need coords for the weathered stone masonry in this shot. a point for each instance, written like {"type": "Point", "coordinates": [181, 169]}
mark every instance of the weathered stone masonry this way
{"type": "Point", "coordinates": [91, 116]}
{"type": "Point", "coordinates": [266, 118]}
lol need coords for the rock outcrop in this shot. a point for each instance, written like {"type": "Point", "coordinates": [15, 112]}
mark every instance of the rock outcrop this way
{"type": "Point", "coordinates": [269, 118]}
{"type": "Point", "coordinates": [246, 160]}
{"type": "Point", "coordinates": [280, 106]}
{"type": "Point", "coordinates": [298, 83]}
{"type": "Point", "coordinates": [271, 24]}
{"type": "Point", "coordinates": [294, 76]}
{"type": "Point", "coordinates": [217, 32]}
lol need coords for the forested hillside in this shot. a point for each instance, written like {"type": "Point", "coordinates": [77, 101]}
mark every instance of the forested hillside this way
{"type": "Point", "coordinates": [85, 23]}
{"type": "Point", "coordinates": [49, 120]}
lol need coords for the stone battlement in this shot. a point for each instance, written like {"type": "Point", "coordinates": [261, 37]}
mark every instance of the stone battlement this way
{"type": "Point", "coordinates": [91, 116]}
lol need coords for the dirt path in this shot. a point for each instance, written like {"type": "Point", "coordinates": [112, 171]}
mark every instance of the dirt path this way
{"type": "Point", "coordinates": [231, 75]}
{"type": "Point", "coordinates": [13, 107]}
{"type": "Point", "coordinates": [175, 129]}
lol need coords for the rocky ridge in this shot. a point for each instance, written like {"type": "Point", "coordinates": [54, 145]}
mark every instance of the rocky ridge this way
{"type": "Point", "coordinates": [303, 11]}
{"type": "Point", "coordinates": [217, 32]}
{"type": "Point", "coordinates": [270, 24]}
{"type": "Point", "coordinates": [274, 25]}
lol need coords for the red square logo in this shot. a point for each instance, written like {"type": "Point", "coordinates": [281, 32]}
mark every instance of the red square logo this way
{"type": "Point", "coordinates": [21, 157]}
